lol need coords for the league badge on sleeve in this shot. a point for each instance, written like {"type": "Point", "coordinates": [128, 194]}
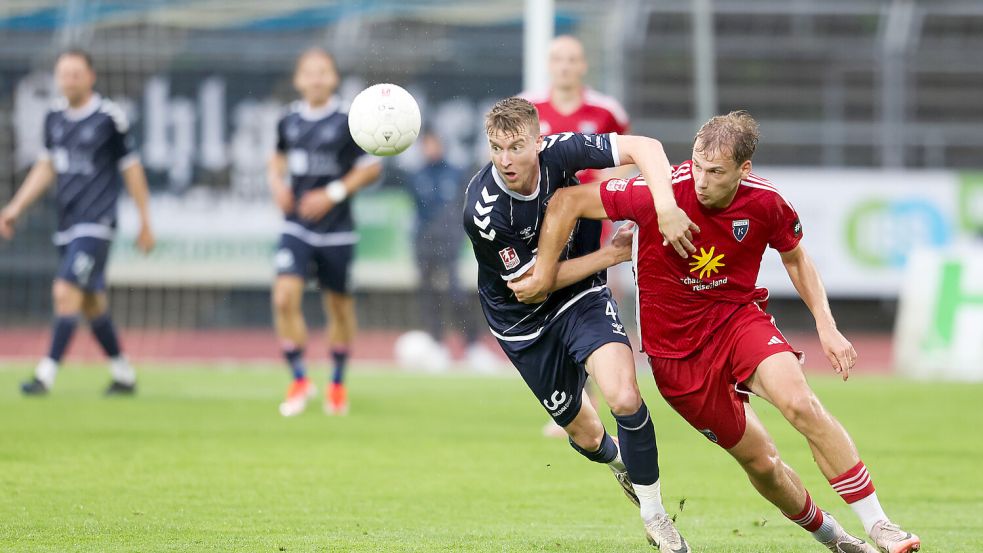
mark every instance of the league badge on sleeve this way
{"type": "Point", "coordinates": [619, 185]}
{"type": "Point", "coordinates": [740, 226]}
{"type": "Point", "coordinates": [509, 258]}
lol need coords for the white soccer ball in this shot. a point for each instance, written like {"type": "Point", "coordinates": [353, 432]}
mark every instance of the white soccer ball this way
{"type": "Point", "coordinates": [384, 119]}
{"type": "Point", "coordinates": [416, 350]}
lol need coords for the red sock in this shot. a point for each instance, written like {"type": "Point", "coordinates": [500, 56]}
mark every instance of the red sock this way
{"type": "Point", "coordinates": [811, 518]}
{"type": "Point", "coordinates": [854, 484]}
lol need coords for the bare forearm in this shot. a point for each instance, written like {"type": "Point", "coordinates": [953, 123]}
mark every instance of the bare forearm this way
{"type": "Point", "coordinates": [276, 171]}
{"type": "Point", "coordinates": [566, 206]}
{"type": "Point", "coordinates": [38, 179]}
{"type": "Point", "coordinates": [136, 185]}
{"type": "Point", "coordinates": [805, 277]}
{"type": "Point", "coordinates": [574, 270]}
{"type": "Point", "coordinates": [361, 176]}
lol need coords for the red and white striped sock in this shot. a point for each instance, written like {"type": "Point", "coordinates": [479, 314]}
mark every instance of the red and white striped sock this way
{"type": "Point", "coordinates": [811, 518]}
{"type": "Point", "coordinates": [857, 489]}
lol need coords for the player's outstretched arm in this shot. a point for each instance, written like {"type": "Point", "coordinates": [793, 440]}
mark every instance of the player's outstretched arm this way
{"type": "Point", "coordinates": [565, 207]}
{"type": "Point", "coordinates": [647, 153]}
{"type": "Point", "coordinates": [810, 287]}
{"type": "Point", "coordinates": [574, 270]}
{"type": "Point", "coordinates": [317, 203]}
{"type": "Point", "coordinates": [38, 179]}
{"type": "Point", "coordinates": [136, 185]}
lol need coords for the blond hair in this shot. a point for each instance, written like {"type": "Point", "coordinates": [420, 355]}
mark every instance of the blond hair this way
{"type": "Point", "coordinates": [514, 116]}
{"type": "Point", "coordinates": [736, 132]}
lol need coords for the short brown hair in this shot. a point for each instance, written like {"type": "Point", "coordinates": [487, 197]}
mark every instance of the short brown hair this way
{"type": "Point", "coordinates": [737, 132]}
{"type": "Point", "coordinates": [515, 116]}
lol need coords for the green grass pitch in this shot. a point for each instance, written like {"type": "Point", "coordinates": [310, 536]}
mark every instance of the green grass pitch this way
{"type": "Point", "coordinates": [201, 461]}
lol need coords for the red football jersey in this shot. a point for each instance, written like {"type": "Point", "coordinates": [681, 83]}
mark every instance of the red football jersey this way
{"type": "Point", "coordinates": [681, 302]}
{"type": "Point", "coordinates": [598, 113]}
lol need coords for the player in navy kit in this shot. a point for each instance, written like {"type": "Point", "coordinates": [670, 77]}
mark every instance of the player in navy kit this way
{"type": "Point", "coordinates": [88, 151]}
{"type": "Point", "coordinates": [575, 330]}
{"type": "Point", "coordinates": [325, 168]}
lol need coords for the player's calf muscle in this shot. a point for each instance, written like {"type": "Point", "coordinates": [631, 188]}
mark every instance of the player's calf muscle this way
{"type": "Point", "coordinates": [67, 298]}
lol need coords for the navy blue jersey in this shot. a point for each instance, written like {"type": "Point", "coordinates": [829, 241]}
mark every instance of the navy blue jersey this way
{"type": "Point", "coordinates": [87, 147]}
{"type": "Point", "coordinates": [504, 230]}
{"type": "Point", "coordinates": [319, 149]}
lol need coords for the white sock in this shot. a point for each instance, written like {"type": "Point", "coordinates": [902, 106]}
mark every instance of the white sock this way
{"type": "Point", "coordinates": [650, 500]}
{"type": "Point", "coordinates": [122, 371]}
{"type": "Point", "coordinates": [827, 531]}
{"type": "Point", "coordinates": [45, 372]}
{"type": "Point", "coordinates": [869, 511]}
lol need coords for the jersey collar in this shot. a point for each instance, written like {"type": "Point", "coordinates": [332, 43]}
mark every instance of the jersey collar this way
{"type": "Point", "coordinates": [311, 114]}
{"type": "Point", "coordinates": [501, 184]}
{"type": "Point", "coordinates": [90, 107]}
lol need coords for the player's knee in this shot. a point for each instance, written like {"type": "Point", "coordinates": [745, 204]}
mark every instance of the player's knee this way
{"type": "Point", "coordinates": [764, 467]}
{"type": "Point", "coordinates": [803, 410]}
{"type": "Point", "coordinates": [285, 302]}
{"type": "Point", "coordinates": [341, 313]}
{"type": "Point", "coordinates": [92, 310]}
{"type": "Point", "coordinates": [625, 401]}
{"type": "Point", "coordinates": [66, 298]}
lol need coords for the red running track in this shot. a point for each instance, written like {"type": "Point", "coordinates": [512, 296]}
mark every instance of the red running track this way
{"type": "Point", "coordinates": [252, 345]}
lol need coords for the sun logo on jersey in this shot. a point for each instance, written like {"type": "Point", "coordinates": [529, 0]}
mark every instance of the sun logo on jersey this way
{"type": "Point", "coordinates": [706, 262]}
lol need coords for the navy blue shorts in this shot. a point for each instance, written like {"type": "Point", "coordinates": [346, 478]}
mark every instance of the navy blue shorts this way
{"type": "Point", "coordinates": [83, 263]}
{"type": "Point", "coordinates": [330, 264]}
{"type": "Point", "coordinates": [553, 364]}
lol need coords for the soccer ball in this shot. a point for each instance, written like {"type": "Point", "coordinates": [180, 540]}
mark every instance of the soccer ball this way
{"type": "Point", "coordinates": [384, 119]}
{"type": "Point", "coordinates": [416, 350]}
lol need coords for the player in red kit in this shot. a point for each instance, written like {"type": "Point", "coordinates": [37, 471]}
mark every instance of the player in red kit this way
{"type": "Point", "coordinates": [568, 105]}
{"type": "Point", "coordinates": [704, 326]}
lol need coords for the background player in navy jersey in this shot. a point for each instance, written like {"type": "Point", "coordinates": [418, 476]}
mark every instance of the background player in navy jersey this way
{"type": "Point", "coordinates": [576, 330]}
{"type": "Point", "coordinates": [88, 150]}
{"type": "Point", "coordinates": [325, 168]}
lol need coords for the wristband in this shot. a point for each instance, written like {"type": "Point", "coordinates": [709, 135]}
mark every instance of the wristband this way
{"type": "Point", "coordinates": [336, 191]}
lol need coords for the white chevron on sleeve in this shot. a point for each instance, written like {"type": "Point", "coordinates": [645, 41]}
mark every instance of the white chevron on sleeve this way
{"type": "Point", "coordinates": [481, 223]}
{"type": "Point", "coordinates": [486, 197]}
{"type": "Point", "coordinates": [487, 235]}
{"type": "Point", "coordinates": [483, 210]}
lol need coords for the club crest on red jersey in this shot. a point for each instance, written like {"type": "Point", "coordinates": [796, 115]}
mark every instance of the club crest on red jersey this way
{"type": "Point", "coordinates": [509, 257]}
{"type": "Point", "coordinates": [740, 226]}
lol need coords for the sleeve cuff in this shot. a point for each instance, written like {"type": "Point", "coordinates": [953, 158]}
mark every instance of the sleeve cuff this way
{"type": "Point", "coordinates": [127, 161]}
{"type": "Point", "coordinates": [615, 153]}
{"type": "Point", "coordinates": [44, 155]}
{"type": "Point", "coordinates": [520, 271]}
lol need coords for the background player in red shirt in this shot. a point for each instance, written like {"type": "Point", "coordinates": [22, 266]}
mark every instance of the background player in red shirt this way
{"type": "Point", "coordinates": [568, 105]}
{"type": "Point", "coordinates": [709, 340]}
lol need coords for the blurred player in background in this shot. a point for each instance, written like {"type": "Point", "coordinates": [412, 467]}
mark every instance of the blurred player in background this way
{"type": "Point", "coordinates": [709, 340]}
{"type": "Point", "coordinates": [576, 331]}
{"type": "Point", "coordinates": [325, 168]}
{"type": "Point", "coordinates": [437, 193]}
{"type": "Point", "coordinates": [88, 151]}
{"type": "Point", "coordinates": [568, 105]}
